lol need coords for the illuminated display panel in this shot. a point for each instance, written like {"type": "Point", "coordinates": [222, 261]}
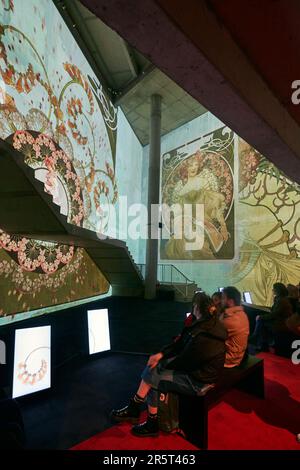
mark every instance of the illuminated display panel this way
{"type": "Point", "coordinates": [98, 329]}
{"type": "Point", "coordinates": [32, 360]}
{"type": "Point", "coordinates": [247, 297]}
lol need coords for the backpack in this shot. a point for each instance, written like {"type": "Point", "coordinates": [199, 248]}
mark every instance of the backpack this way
{"type": "Point", "coordinates": [168, 416]}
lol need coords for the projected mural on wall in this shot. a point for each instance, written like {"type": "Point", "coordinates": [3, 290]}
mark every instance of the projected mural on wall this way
{"type": "Point", "coordinates": [22, 290]}
{"type": "Point", "coordinates": [54, 109]}
{"type": "Point", "coordinates": [263, 237]}
{"type": "Point", "coordinates": [55, 112]}
{"type": "Point", "coordinates": [201, 172]}
{"type": "Point", "coordinates": [269, 226]}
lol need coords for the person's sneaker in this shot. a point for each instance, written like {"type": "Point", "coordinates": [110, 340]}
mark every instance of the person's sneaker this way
{"type": "Point", "coordinates": [130, 413]}
{"type": "Point", "coordinates": [147, 429]}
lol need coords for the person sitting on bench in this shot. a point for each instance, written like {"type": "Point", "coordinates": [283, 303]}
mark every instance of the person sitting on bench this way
{"type": "Point", "coordinates": [274, 322]}
{"type": "Point", "coordinates": [293, 297]}
{"type": "Point", "coordinates": [236, 323]}
{"type": "Point", "coordinates": [194, 359]}
{"type": "Point", "coordinates": [293, 323]}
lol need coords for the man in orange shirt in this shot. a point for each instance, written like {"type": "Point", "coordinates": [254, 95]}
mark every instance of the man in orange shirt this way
{"type": "Point", "coordinates": [236, 323]}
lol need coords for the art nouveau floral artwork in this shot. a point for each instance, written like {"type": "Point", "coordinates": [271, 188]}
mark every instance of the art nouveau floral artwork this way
{"type": "Point", "coordinates": [201, 172]}
{"type": "Point", "coordinates": [54, 111]}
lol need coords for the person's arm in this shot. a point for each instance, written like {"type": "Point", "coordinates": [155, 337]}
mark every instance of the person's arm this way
{"type": "Point", "coordinates": [190, 357]}
{"type": "Point", "coordinates": [267, 316]}
{"type": "Point", "coordinates": [280, 309]}
{"type": "Point", "coordinates": [167, 351]}
{"type": "Point", "coordinates": [171, 349]}
{"type": "Point", "coordinates": [154, 360]}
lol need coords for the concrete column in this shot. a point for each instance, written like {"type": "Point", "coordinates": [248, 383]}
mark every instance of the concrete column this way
{"type": "Point", "coordinates": [153, 198]}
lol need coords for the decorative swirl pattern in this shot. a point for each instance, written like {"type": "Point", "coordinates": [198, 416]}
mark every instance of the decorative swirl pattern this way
{"type": "Point", "coordinates": [84, 132]}
{"type": "Point", "coordinates": [26, 285]}
{"type": "Point", "coordinates": [49, 112]}
{"type": "Point", "coordinates": [261, 183]}
{"type": "Point", "coordinates": [33, 255]}
{"type": "Point", "coordinates": [42, 152]}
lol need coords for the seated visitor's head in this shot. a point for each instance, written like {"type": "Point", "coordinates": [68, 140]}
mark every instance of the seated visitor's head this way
{"type": "Point", "coordinates": [201, 306]}
{"type": "Point", "coordinates": [217, 299]}
{"type": "Point", "coordinates": [293, 291]}
{"type": "Point", "coordinates": [279, 290]}
{"type": "Point", "coordinates": [231, 297]}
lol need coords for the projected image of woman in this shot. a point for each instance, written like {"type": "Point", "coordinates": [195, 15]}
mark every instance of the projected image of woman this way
{"type": "Point", "coordinates": [199, 185]}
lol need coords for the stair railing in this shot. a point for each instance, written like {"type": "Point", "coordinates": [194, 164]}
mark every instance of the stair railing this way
{"type": "Point", "coordinates": [169, 274]}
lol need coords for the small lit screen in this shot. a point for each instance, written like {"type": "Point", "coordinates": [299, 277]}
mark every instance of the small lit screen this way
{"type": "Point", "coordinates": [247, 297]}
{"type": "Point", "coordinates": [98, 327]}
{"type": "Point", "coordinates": [32, 360]}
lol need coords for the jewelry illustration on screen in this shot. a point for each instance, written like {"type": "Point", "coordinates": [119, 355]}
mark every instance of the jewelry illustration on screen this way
{"type": "Point", "coordinates": [30, 375]}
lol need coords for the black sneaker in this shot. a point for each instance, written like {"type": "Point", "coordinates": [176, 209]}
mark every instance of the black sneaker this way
{"type": "Point", "coordinates": [147, 429]}
{"type": "Point", "coordinates": [130, 413]}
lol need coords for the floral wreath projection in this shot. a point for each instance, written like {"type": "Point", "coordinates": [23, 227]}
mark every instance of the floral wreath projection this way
{"type": "Point", "coordinates": [25, 284]}
{"type": "Point", "coordinates": [64, 135]}
{"type": "Point", "coordinates": [43, 152]}
{"type": "Point", "coordinates": [36, 256]}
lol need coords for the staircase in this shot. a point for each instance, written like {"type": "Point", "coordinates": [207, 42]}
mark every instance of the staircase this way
{"type": "Point", "coordinates": [171, 278]}
{"type": "Point", "coordinates": [27, 210]}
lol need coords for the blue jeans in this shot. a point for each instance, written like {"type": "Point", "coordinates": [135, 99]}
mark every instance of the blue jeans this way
{"type": "Point", "coordinates": [181, 381]}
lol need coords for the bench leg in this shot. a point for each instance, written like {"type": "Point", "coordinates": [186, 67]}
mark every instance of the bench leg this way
{"type": "Point", "coordinates": [254, 383]}
{"type": "Point", "coordinates": [193, 420]}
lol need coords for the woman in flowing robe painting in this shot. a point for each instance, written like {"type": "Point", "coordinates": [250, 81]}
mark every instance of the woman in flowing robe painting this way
{"type": "Point", "coordinates": [197, 185]}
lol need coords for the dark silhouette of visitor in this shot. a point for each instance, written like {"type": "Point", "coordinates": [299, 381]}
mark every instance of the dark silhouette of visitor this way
{"type": "Point", "coordinates": [274, 322]}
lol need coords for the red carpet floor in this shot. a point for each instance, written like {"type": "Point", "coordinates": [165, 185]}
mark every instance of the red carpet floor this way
{"type": "Point", "coordinates": [239, 422]}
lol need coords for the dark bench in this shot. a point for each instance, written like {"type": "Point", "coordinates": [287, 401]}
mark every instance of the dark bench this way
{"type": "Point", "coordinates": [193, 410]}
{"type": "Point", "coordinates": [283, 343]}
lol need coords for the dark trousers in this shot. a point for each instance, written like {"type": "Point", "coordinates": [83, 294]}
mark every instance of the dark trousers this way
{"type": "Point", "coordinates": [263, 333]}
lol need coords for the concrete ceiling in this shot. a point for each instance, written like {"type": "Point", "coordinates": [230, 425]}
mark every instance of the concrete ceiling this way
{"type": "Point", "coordinates": [128, 76]}
{"type": "Point", "coordinates": [233, 57]}
{"type": "Point", "coordinates": [178, 107]}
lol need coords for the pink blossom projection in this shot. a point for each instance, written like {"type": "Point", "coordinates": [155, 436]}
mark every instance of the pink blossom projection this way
{"type": "Point", "coordinates": [54, 111]}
